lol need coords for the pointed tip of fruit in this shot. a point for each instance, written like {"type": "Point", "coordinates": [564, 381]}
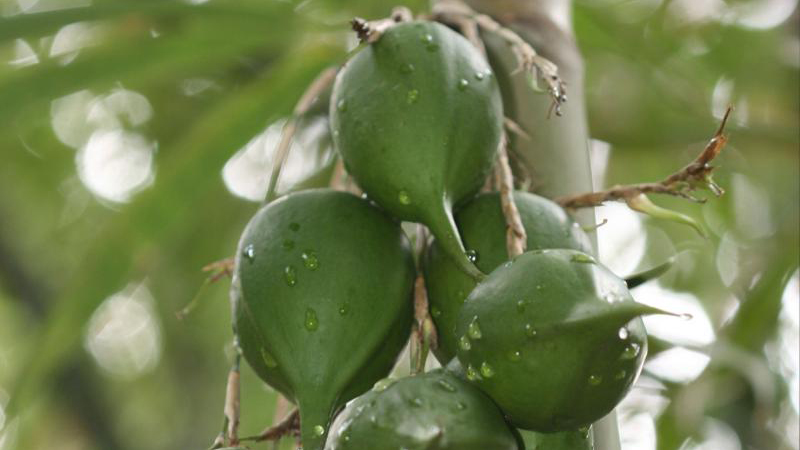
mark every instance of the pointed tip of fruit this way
{"type": "Point", "coordinates": [443, 228]}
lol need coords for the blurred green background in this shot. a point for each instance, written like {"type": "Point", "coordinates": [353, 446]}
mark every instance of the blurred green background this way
{"type": "Point", "coordinates": [136, 142]}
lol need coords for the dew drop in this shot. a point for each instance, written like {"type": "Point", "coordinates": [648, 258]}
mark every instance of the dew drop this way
{"type": "Point", "coordinates": [249, 253]}
{"type": "Point", "coordinates": [539, 287]}
{"type": "Point", "coordinates": [435, 312]}
{"type": "Point", "coordinates": [294, 226]}
{"type": "Point", "coordinates": [472, 374]}
{"type": "Point", "coordinates": [472, 255]}
{"type": "Point", "coordinates": [311, 323]}
{"type": "Point", "coordinates": [620, 375]}
{"type": "Point", "coordinates": [382, 385]}
{"type": "Point", "coordinates": [521, 305]}
{"type": "Point", "coordinates": [310, 260]}
{"type": "Point", "coordinates": [479, 76]}
{"type": "Point", "coordinates": [464, 343]}
{"type": "Point", "coordinates": [623, 333]}
{"type": "Point", "coordinates": [403, 198]}
{"type": "Point", "coordinates": [463, 84]}
{"type": "Point", "coordinates": [319, 430]}
{"type": "Point", "coordinates": [290, 275]}
{"type": "Point", "coordinates": [341, 105]}
{"type": "Point", "coordinates": [461, 406]}
{"type": "Point", "coordinates": [412, 96]}
{"type": "Point", "coordinates": [344, 309]}
{"type": "Point", "coordinates": [486, 370]}
{"type": "Point", "coordinates": [427, 38]}
{"type": "Point", "coordinates": [407, 68]}
{"type": "Point", "coordinates": [582, 258]}
{"type": "Point", "coordinates": [474, 329]}
{"type": "Point", "coordinates": [514, 355]}
{"type": "Point", "coordinates": [288, 244]}
{"type": "Point", "coordinates": [631, 351]}
{"type": "Point", "coordinates": [530, 331]}
{"type": "Point", "coordinates": [268, 359]}
{"type": "Point", "coordinates": [446, 386]}
{"type": "Point", "coordinates": [595, 380]}
{"type": "Point", "coordinates": [416, 402]}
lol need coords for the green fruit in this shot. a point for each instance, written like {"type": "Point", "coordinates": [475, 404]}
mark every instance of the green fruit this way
{"type": "Point", "coordinates": [417, 117]}
{"type": "Point", "coordinates": [563, 440]}
{"type": "Point", "coordinates": [554, 338]}
{"type": "Point", "coordinates": [431, 411]}
{"type": "Point", "coordinates": [483, 228]}
{"type": "Point", "coordinates": [322, 300]}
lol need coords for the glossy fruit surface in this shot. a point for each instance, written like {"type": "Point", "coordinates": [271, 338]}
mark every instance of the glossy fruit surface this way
{"type": "Point", "coordinates": [432, 411]}
{"type": "Point", "coordinates": [322, 300]}
{"type": "Point", "coordinates": [562, 440]}
{"type": "Point", "coordinates": [483, 229]}
{"type": "Point", "coordinates": [417, 118]}
{"type": "Point", "coordinates": [554, 338]}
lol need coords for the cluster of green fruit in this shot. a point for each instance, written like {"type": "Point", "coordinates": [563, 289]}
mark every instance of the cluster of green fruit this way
{"type": "Point", "coordinates": [549, 341]}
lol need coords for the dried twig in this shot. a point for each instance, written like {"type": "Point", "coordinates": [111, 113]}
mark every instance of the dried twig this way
{"type": "Point", "coordinates": [423, 336]}
{"type": "Point", "coordinates": [288, 426]}
{"type": "Point", "coordinates": [371, 31]}
{"type": "Point", "coordinates": [682, 183]}
{"type": "Point", "coordinates": [218, 269]}
{"type": "Point", "coordinates": [516, 237]}
{"type": "Point", "coordinates": [457, 13]}
{"type": "Point", "coordinates": [232, 402]}
{"type": "Point", "coordinates": [322, 82]}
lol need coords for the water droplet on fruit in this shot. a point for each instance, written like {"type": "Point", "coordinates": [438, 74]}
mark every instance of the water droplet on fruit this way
{"type": "Point", "coordinates": [479, 76]}
{"type": "Point", "coordinates": [474, 329]}
{"type": "Point", "coordinates": [472, 255]}
{"type": "Point", "coordinates": [311, 323]}
{"type": "Point", "coordinates": [290, 275]}
{"type": "Point", "coordinates": [427, 38]}
{"type": "Point", "coordinates": [539, 287]}
{"type": "Point", "coordinates": [582, 258]}
{"type": "Point", "coordinates": [435, 312]}
{"type": "Point", "coordinates": [268, 359]}
{"type": "Point", "coordinates": [416, 402]}
{"type": "Point", "coordinates": [486, 370]}
{"type": "Point", "coordinates": [407, 68]}
{"type": "Point", "coordinates": [310, 260]}
{"type": "Point", "coordinates": [341, 105]}
{"type": "Point", "coordinates": [472, 374]}
{"type": "Point", "coordinates": [294, 226]}
{"type": "Point", "coordinates": [623, 333]}
{"type": "Point", "coordinates": [463, 84]}
{"type": "Point", "coordinates": [521, 305]}
{"type": "Point", "coordinates": [631, 351]}
{"type": "Point", "coordinates": [461, 406]}
{"type": "Point", "coordinates": [412, 96]}
{"type": "Point", "coordinates": [249, 252]}
{"type": "Point", "coordinates": [594, 380]}
{"type": "Point", "coordinates": [403, 198]}
{"type": "Point", "coordinates": [464, 343]}
{"type": "Point", "coordinates": [288, 244]}
{"type": "Point", "coordinates": [446, 386]}
{"type": "Point", "coordinates": [620, 375]}
{"type": "Point", "coordinates": [382, 385]}
{"type": "Point", "coordinates": [344, 309]}
{"type": "Point", "coordinates": [514, 355]}
{"type": "Point", "coordinates": [319, 430]}
{"type": "Point", "coordinates": [530, 331]}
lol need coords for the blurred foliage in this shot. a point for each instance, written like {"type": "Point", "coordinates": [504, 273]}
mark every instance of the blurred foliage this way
{"type": "Point", "coordinates": [216, 74]}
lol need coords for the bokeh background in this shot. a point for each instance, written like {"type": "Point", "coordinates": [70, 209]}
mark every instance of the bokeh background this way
{"type": "Point", "coordinates": [136, 140]}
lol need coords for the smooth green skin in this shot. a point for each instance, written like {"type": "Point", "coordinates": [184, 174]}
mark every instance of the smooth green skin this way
{"type": "Point", "coordinates": [483, 228]}
{"type": "Point", "coordinates": [417, 140]}
{"type": "Point", "coordinates": [563, 440]}
{"type": "Point", "coordinates": [360, 294]}
{"type": "Point", "coordinates": [575, 369]}
{"type": "Point", "coordinates": [431, 411]}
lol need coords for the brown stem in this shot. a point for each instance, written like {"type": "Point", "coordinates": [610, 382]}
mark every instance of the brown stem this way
{"type": "Point", "coordinates": [289, 425]}
{"type": "Point", "coordinates": [322, 82]}
{"type": "Point", "coordinates": [232, 403]}
{"type": "Point", "coordinates": [682, 183]}
{"type": "Point", "coordinates": [371, 31]}
{"type": "Point", "coordinates": [516, 238]}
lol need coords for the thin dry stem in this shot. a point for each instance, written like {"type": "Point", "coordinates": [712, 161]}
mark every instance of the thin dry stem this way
{"type": "Point", "coordinates": [457, 13]}
{"type": "Point", "coordinates": [288, 426]}
{"type": "Point", "coordinates": [371, 31]}
{"type": "Point", "coordinates": [424, 335]}
{"type": "Point", "coordinates": [232, 403]}
{"type": "Point", "coordinates": [516, 238]}
{"type": "Point", "coordinates": [322, 82]}
{"type": "Point", "coordinates": [682, 183]}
